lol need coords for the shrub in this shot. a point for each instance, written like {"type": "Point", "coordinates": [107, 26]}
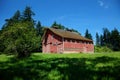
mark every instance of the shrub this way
{"type": "Point", "coordinates": [102, 49]}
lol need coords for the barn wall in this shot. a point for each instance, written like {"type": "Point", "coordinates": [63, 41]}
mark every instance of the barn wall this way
{"type": "Point", "coordinates": [53, 43]}
{"type": "Point", "coordinates": [77, 46]}
{"type": "Point", "coordinates": [46, 43]}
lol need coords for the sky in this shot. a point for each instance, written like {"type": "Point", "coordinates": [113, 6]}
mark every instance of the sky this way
{"type": "Point", "coordinates": [80, 15]}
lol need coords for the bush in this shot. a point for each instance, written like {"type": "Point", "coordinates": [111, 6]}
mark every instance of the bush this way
{"type": "Point", "coordinates": [102, 49]}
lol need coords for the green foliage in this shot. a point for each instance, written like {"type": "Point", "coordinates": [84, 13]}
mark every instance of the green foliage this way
{"type": "Point", "coordinates": [102, 49]}
{"type": "Point", "coordinates": [115, 40]}
{"type": "Point", "coordinates": [59, 26]}
{"type": "Point", "coordinates": [19, 39]}
{"type": "Point", "coordinates": [18, 35]}
{"type": "Point", "coordinates": [61, 67]}
{"type": "Point", "coordinates": [97, 40]}
{"type": "Point", "coordinates": [111, 39]}
{"type": "Point", "coordinates": [106, 36]}
{"type": "Point", "coordinates": [88, 35]}
{"type": "Point", "coordinates": [39, 29]}
{"type": "Point", "coordinates": [16, 17]}
{"type": "Point", "coordinates": [27, 14]}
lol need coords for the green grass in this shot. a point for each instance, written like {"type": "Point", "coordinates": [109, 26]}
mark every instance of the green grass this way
{"type": "Point", "coordinates": [98, 66]}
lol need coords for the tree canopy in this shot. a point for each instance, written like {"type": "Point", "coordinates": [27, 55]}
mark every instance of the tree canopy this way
{"type": "Point", "coordinates": [18, 35]}
{"type": "Point", "coordinates": [110, 39]}
{"type": "Point", "coordinates": [60, 26]}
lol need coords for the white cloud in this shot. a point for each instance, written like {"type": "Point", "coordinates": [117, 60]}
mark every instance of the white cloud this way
{"type": "Point", "coordinates": [103, 4]}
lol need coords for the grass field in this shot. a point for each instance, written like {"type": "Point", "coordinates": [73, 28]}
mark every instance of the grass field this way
{"type": "Point", "coordinates": [98, 66]}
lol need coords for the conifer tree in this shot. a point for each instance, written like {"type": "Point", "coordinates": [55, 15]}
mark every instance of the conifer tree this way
{"type": "Point", "coordinates": [88, 35]}
{"type": "Point", "coordinates": [97, 40]}
{"type": "Point", "coordinates": [27, 14]}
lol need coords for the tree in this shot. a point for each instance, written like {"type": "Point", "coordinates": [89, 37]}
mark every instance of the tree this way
{"type": "Point", "coordinates": [97, 40]}
{"type": "Point", "coordinates": [110, 39]}
{"type": "Point", "coordinates": [101, 40]}
{"type": "Point", "coordinates": [19, 35]}
{"type": "Point", "coordinates": [39, 29]}
{"type": "Point", "coordinates": [1, 42]}
{"type": "Point", "coordinates": [58, 26]}
{"type": "Point", "coordinates": [54, 24]}
{"type": "Point", "coordinates": [115, 40]}
{"type": "Point", "coordinates": [106, 37]}
{"type": "Point", "coordinates": [88, 35]}
{"type": "Point", "coordinates": [9, 22]}
{"type": "Point", "coordinates": [17, 16]}
{"type": "Point", "coordinates": [19, 39]}
{"type": "Point", "coordinates": [27, 14]}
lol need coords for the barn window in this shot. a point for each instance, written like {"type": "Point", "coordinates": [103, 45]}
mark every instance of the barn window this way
{"type": "Point", "coordinates": [78, 41]}
{"type": "Point", "coordinates": [82, 41]}
{"type": "Point", "coordinates": [68, 40]}
{"type": "Point", "coordinates": [65, 40]}
{"type": "Point", "coordinates": [73, 40]}
{"type": "Point", "coordinates": [90, 42]}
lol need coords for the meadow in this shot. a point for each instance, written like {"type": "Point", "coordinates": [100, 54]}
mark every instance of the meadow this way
{"type": "Point", "coordinates": [97, 66]}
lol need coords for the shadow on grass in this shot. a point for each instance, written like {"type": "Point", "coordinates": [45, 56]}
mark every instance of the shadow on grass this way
{"type": "Point", "coordinates": [99, 68]}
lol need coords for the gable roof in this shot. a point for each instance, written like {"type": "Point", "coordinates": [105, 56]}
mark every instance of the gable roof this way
{"type": "Point", "coordinates": [67, 34]}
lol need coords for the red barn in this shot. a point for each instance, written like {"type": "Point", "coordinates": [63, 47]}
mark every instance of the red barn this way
{"type": "Point", "coordinates": [61, 41]}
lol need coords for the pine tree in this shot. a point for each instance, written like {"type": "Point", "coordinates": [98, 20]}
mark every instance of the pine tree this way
{"type": "Point", "coordinates": [101, 40]}
{"type": "Point", "coordinates": [58, 26]}
{"type": "Point", "coordinates": [115, 40]}
{"type": "Point", "coordinates": [88, 35]}
{"type": "Point", "coordinates": [54, 24]}
{"type": "Point", "coordinates": [27, 14]}
{"type": "Point", "coordinates": [106, 37]}
{"type": "Point", "coordinates": [39, 29]}
{"type": "Point", "coordinates": [39, 32]}
{"type": "Point", "coordinates": [17, 16]}
{"type": "Point", "coordinates": [97, 40]}
{"type": "Point", "coordinates": [10, 22]}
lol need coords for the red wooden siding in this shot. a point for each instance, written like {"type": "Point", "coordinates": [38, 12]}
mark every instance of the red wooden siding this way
{"type": "Point", "coordinates": [71, 45]}
{"type": "Point", "coordinates": [53, 43]}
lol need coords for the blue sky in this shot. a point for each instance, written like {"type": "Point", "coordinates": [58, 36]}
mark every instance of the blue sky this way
{"type": "Point", "coordinates": [77, 14]}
